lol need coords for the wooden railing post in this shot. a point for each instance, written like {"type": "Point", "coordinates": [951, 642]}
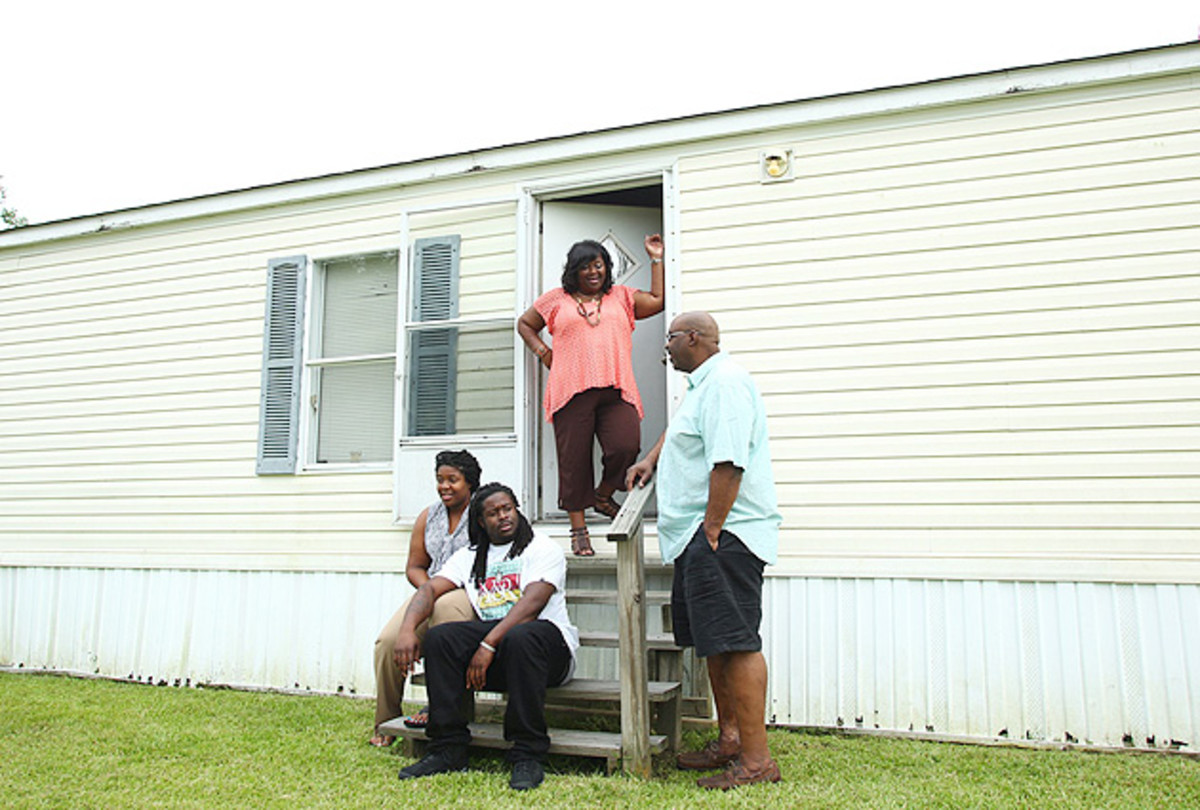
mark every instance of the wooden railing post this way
{"type": "Point", "coordinates": [626, 532]}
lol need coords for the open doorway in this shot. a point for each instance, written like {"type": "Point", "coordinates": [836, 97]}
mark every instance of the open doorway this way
{"type": "Point", "coordinates": [620, 220]}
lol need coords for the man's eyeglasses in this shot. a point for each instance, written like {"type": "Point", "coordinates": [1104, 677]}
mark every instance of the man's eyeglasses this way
{"type": "Point", "coordinates": [672, 335]}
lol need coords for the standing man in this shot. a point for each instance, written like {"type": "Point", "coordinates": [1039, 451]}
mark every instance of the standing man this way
{"type": "Point", "coordinates": [718, 522]}
{"type": "Point", "coordinates": [522, 642]}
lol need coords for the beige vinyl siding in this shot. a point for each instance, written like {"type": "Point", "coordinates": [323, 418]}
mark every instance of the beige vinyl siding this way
{"type": "Point", "coordinates": [977, 330]}
{"type": "Point", "coordinates": [488, 261]}
{"type": "Point", "coordinates": [487, 289]}
{"type": "Point", "coordinates": [484, 394]}
{"type": "Point", "coordinates": [976, 325]}
{"type": "Point", "coordinates": [130, 366]}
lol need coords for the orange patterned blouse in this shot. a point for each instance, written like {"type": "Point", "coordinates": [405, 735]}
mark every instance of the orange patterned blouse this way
{"type": "Point", "coordinates": [586, 355]}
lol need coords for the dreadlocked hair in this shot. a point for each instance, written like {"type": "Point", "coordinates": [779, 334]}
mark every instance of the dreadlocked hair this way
{"type": "Point", "coordinates": [478, 536]}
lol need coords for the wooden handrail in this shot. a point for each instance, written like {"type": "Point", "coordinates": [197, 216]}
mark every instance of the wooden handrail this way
{"type": "Point", "coordinates": [626, 532]}
{"type": "Point", "coordinates": [629, 520]}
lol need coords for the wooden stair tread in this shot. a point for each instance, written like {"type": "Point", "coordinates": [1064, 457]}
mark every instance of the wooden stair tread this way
{"type": "Point", "coordinates": [586, 597]}
{"type": "Point", "coordinates": [571, 742]}
{"type": "Point", "coordinates": [605, 562]}
{"type": "Point", "coordinates": [598, 689]}
{"type": "Point", "coordinates": [605, 638]}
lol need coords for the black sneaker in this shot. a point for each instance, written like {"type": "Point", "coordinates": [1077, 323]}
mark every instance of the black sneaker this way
{"type": "Point", "coordinates": [526, 774]}
{"type": "Point", "coordinates": [436, 761]}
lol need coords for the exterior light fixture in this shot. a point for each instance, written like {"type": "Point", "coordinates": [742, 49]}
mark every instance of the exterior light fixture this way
{"type": "Point", "coordinates": [775, 165]}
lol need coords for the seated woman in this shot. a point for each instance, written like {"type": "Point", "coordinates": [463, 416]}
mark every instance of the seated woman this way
{"type": "Point", "coordinates": [440, 530]}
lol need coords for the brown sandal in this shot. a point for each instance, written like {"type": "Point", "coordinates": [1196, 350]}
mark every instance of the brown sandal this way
{"type": "Point", "coordinates": [381, 740]}
{"type": "Point", "coordinates": [581, 543]}
{"type": "Point", "coordinates": [606, 506]}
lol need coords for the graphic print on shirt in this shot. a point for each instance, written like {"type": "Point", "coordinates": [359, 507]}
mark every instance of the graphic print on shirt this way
{"type": "Point", "coordinates": [500, 590]}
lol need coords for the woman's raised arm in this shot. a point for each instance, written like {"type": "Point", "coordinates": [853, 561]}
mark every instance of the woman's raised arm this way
{"type": "Point", "coordinates": [646, 304]}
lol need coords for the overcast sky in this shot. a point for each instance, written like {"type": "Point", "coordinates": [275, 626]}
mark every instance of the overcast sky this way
{"type": "Point", "coordinates": [108, 105]}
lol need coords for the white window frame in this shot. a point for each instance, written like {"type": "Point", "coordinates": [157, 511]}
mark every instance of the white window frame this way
{"type": "Point", "coordinates": [404, 323]}
{"type": "Point", "coordinates": [497, 452]}
{"type": "Point", "coordinates": [313, 329]}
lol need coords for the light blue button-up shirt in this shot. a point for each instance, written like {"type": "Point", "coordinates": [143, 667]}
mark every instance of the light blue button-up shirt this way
{"type": "Point", "coordinates": [722, 418]}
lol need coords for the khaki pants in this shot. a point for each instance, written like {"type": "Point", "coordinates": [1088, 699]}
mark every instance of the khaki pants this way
{"type": "Point", "coordinates": [389, 683]}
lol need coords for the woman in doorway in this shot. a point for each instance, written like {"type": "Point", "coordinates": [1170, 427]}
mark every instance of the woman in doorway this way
{"type": "Point", "coordinates": [440, 530]}
{"type": "Point", "coordinates": [591, 390]}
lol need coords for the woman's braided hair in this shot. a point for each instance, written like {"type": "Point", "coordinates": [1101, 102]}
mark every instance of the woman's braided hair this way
{"type": "Point", "coordinates": [478, 536]}
{"type": "Point", "coordinates": [464, 462]}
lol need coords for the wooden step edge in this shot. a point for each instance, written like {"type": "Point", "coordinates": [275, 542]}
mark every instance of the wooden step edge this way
{"type": "Point", "coordinates": [592, 597]}
{"type": "Point", "coordinates": [599, 689]}
{"type": "Point", "coordinates": [605, 562]}
{"type": "Point", "coordinates": [604, 638]}
{"type": "Point", "coordinates": [571, 742]}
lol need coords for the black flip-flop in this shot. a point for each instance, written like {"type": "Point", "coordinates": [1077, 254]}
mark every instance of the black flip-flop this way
{"type": "Point", "coordinates": [412, 722]}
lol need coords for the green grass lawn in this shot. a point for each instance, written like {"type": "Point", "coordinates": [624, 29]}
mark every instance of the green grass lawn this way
{"type": "Point", "coordinates": [77, 743]}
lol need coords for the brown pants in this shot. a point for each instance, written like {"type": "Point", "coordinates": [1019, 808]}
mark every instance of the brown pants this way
{"type": "Point", "coordinates": [598, 412]}
{"type": "Point", "coordinates": [389, 683]}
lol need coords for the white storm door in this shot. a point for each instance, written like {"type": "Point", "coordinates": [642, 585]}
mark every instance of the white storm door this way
{"type": "Point", "coordinates": [564, 224]}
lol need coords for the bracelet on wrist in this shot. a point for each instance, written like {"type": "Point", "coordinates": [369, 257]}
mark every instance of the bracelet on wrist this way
{"type": "Point", "coordinates": [540, 351]}
{"type": "Point", "coordinates": [655, 261]}
{"type": "Point", "coordinates": [487, 646]}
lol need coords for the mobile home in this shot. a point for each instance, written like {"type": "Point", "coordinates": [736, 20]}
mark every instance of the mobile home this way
{"type": "Point", "coordinates": [972, 305]}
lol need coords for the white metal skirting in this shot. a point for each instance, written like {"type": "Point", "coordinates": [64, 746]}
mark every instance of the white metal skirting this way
{"type": "Point", "coordinates": [247, 628]}
{"type": "Point", "coordinates": [1105, 664]}
{"type": "Point", "coordinates": [1102, 664]}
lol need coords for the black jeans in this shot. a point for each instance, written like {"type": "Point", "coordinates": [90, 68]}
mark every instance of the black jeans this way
{"type": "Point", "coordinates": [530, 657]}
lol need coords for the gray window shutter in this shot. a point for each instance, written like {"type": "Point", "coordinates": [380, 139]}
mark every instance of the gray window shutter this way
{"type": "Point", "coordinates": [433, 352]}
{"type": "Point", "coordinates": [279, 407]}
{"type": "Point", "coordinates": [431, 387]}
{"type": "Point", "coordinates": [435, 278]}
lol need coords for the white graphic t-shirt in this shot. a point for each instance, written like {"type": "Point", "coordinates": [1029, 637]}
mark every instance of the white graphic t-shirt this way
{"type": "Point", "coordinates": [500, 590]}
{"type": "Point", "coordinates": [541, 561]}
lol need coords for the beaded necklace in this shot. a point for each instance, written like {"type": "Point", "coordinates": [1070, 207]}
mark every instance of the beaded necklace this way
{"type": "Point", "coordinates": [593, 317]}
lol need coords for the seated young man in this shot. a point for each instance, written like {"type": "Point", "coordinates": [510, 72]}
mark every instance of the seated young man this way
{"type": "Point", "coordinates": [522, 642]}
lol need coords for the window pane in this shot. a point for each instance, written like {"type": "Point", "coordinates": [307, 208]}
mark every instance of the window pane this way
{"type": "Point", "coordinates": [359, 314]}
{"type": "Point", "coordinates": [484, 396]}
{"type": "Point", "coordinates": [355, 417]}
{"type": "Point", "coordinates": [461, 380]}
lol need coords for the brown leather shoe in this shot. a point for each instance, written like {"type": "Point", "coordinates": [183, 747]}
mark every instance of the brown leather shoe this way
{"type": "Point", "coordinates": [736, 776]}
{"type": "Point", "coordinates": [708, 758]}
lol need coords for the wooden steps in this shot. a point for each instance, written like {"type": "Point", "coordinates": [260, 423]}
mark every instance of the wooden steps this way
{"type": "Point", "coordinates": [665, 696]}
{"type": "Point", "coordinates": [650, 711]}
